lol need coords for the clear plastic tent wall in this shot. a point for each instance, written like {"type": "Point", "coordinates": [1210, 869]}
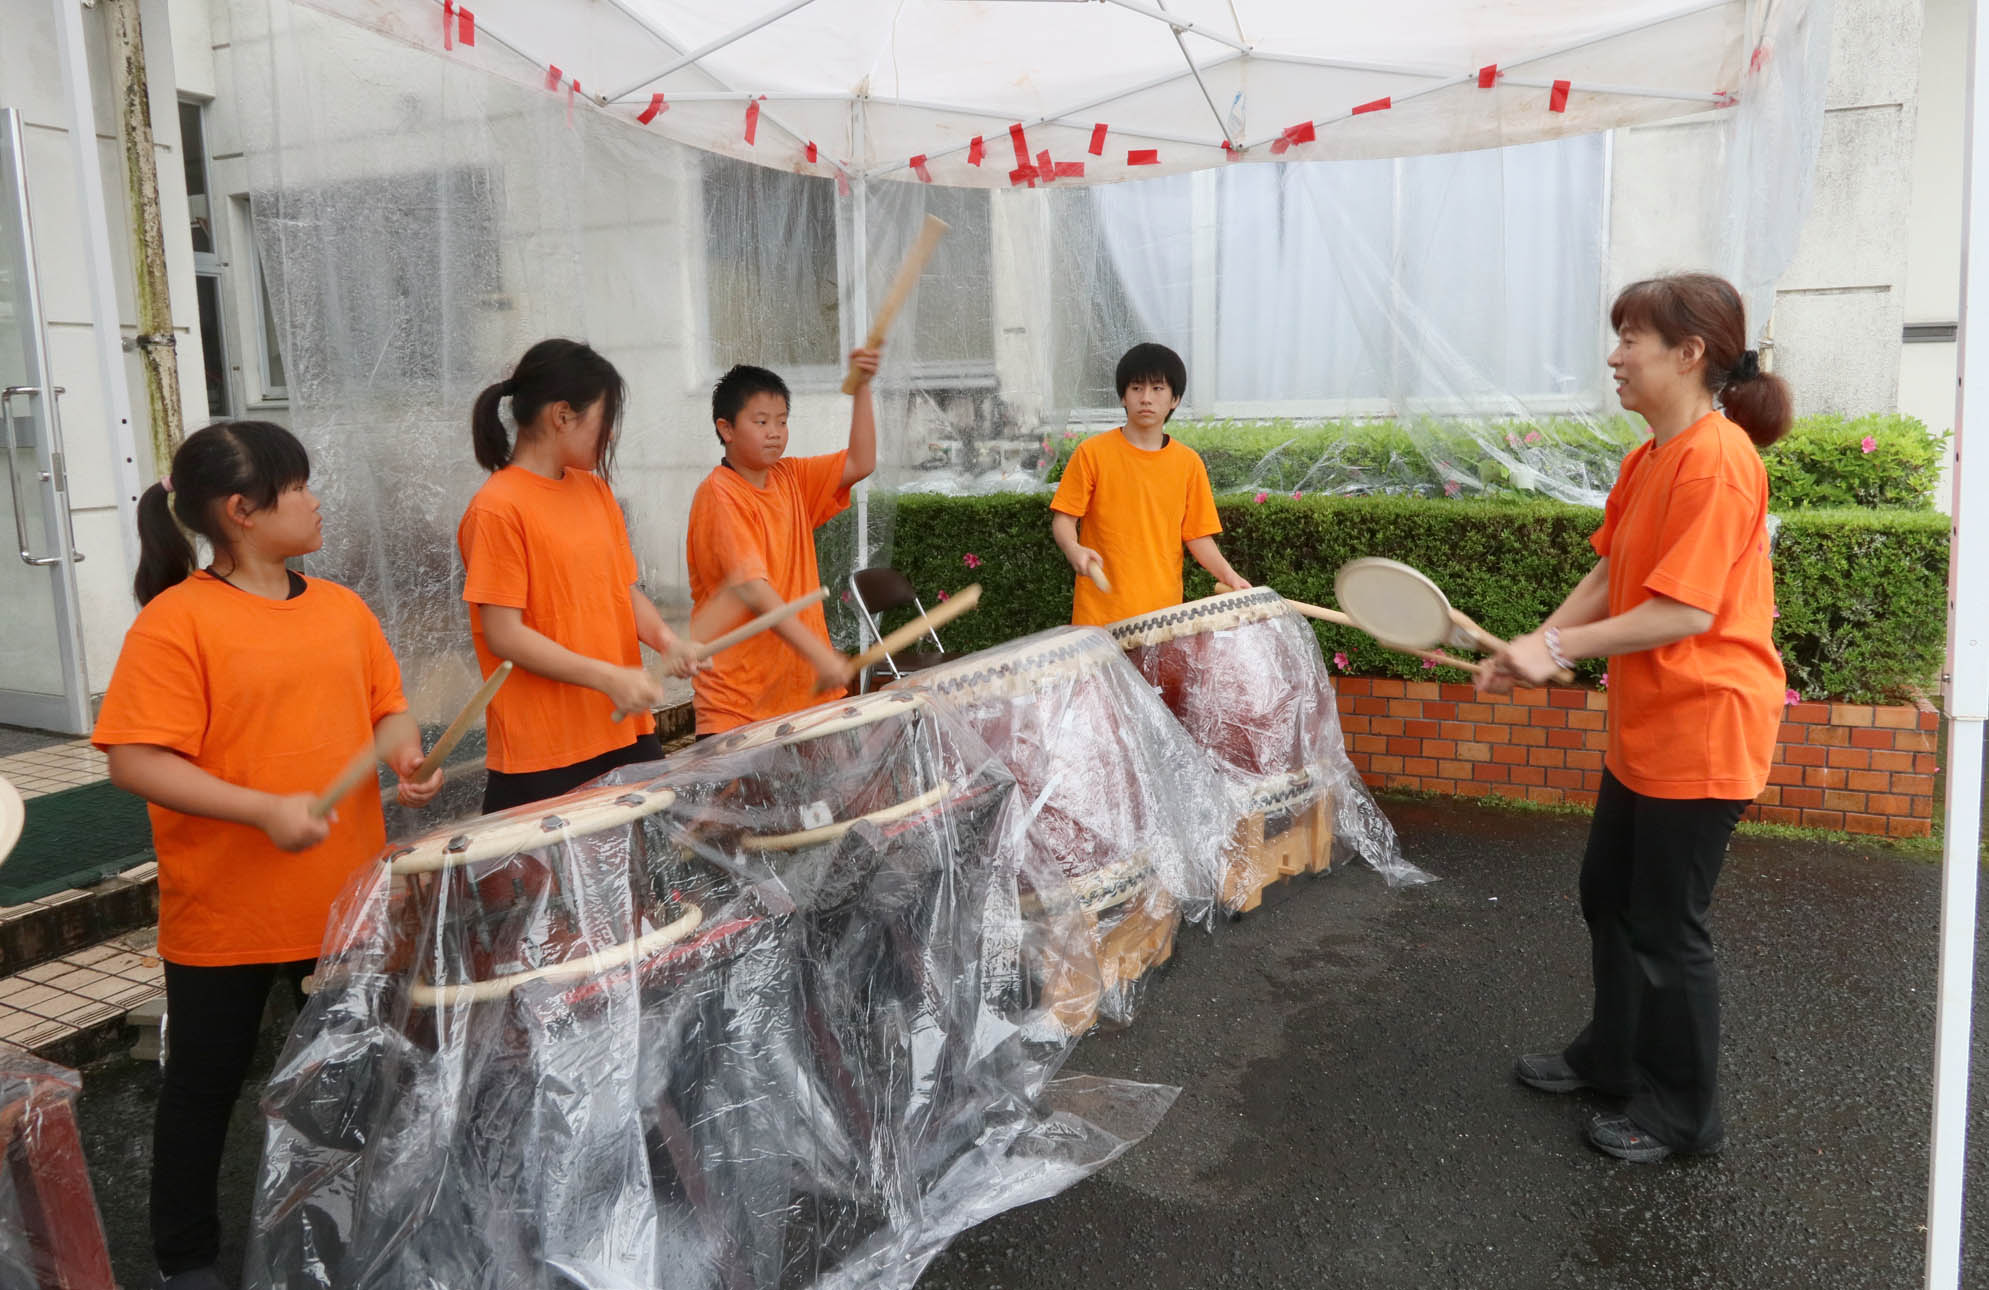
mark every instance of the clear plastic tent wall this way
{"type": "Point", "coordinates": [784, 1010]}
{"type": "Point", "coordinates": [432, 191]}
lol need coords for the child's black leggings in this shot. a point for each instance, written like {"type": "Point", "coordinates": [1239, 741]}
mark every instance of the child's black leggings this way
{"type": "Point", "coordinates": [213, 1019]}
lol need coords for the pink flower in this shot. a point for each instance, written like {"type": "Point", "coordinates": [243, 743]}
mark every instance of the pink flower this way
{"type": "Point", "coordinates": [971, 560]}
{"type": "Point", "coordinates": [1296, 495]}
{"type": "Point", "coordinates": [1070, 434]}
{"type": "Point", "coordinates": [1604, 682]}
{"type": "Point", "coordinates": [1042, 463]}
{"type": "Point", "coordinates": [1450, 488]}
{"type": "Point", "coordinates": [1868, 444]}
{"type": "Point", "coordinates": [945, 595]}
{"type": "Point", "coordinates": [1340, 659]}
{"type": "Point", "coordinates": [1791, 697]}
{"type": "Point", "coordinates": [1533, 436]}
{"type": "Point", "coordinates": [1262, 498]}
{"type": "Point", "coordinates": [1429, 665]}
{"type": "Point", "coordinates": [1512, 440]}
{"type": "Point", "coordinates": [1778, 611]}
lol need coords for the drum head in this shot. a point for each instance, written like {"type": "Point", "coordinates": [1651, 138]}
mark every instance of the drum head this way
{"type": "Point", "coordinates": [529, 828]}
{"type": "Point", "coordinates": [13, 815]}
{"type": "Point", "coordinates": [817, 722]}
{"type": "Point", "coordinates": [1019, 667]}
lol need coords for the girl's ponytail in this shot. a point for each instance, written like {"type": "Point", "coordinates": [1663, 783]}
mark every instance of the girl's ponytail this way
{"type": "Point", "coordinates": [255, 460]}
{"type": "Point", "coordinates": [165, 557]}
{"type": "Point", "coordinates": [487, 435]}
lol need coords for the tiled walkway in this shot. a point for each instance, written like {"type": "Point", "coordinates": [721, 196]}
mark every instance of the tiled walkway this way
{"type": "Point", "coordinates": [54, 768]}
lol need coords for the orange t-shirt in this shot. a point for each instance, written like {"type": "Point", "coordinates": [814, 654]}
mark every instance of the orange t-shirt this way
{"type": "Point", "coordinates": [739, 533]}
{"type": "Point", "coordinates": [1688, 520]}
{"type": "Point", "coordinates": [557, 549]}
{"type": "Point", "coordinates": [1136, 509]}
{"type": "Point", "coordinates": [275, 695]}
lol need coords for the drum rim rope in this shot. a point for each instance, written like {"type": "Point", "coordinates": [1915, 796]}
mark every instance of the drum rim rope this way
{"type": "Point", "coordinates": [1234, 608]}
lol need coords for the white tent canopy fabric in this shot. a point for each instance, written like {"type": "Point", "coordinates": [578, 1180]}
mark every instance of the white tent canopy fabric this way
{"type": "Point", "coordinates": [1001, 93]}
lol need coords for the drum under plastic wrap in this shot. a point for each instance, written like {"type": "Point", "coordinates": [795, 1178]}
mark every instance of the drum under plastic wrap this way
{"type": "Point", "coordinates": [50, 1231]}
{"type": "Point", "coordinates": [1243, 674]}
{"type": "Point", "coordinates": [766, 1014]}
{"type": "Point", "coordinates": [1130, 810]}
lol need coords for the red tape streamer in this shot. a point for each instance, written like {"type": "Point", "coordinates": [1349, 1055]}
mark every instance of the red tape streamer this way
{"type": "Point", "coordinates": [1015, 136]}
{"type": "Point", "coordinates": [1022, 175]}
{"type": "Point", "coordinates": [1488, 76]}
{"type": "Point", "coordinates": [1558, 100]}
{"type": "Point", "coordinates": [466, 27]}
{"type": "Point", "coordinates": [1377, 105]}
{"type": "Point", "coordinates": [554, 76]}
{"type": "Point", "coordinates": [1046, 170]}
{"type": "Point", "coordinates": [919, 169]}
{"type": "Point", "coordinates": [1147, 156]}
{"type": "Point", "coordinates": [1070, 170]}
{"type": "Point", "coordinates": [977, 151]}
{"type": "Point", "coordinates": [1300, 133]}
{"type": "Point", "coordinates": [1098, 139]}
{"type": "Point", "coordinates": [448, 24]}
{"type": "Point", "coordinates": [752, 119]}
{"type": "Point", "coordinates": [656, 108]}
{"type": "Point", "coordinates": [812, 152]}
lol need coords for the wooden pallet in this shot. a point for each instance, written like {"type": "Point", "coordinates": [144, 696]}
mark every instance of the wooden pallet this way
{"type": "Point", "coordinates": [1274, 844]}
{"type": "Point", "coordinates": [1139, 937]}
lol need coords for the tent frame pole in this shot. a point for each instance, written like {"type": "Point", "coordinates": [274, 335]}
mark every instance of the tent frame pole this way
{"type": "Point", "coordinates": [1966, 697]}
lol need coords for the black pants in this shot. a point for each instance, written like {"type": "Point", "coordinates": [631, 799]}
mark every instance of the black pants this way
{"type": "Point", "coordinates": [1654, 1037]}
{"type": "Point", "coordinates": [213, 1020]}
{"type": "Point", "coordinates": [502, 791]}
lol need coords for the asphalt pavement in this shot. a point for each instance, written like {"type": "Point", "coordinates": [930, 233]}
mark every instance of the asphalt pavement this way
{"type": "Point", "coordinates": [1349, 1119]}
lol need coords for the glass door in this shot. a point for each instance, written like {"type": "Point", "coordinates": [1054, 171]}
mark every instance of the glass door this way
{"type": "Point", "coordinates": [41, 646]}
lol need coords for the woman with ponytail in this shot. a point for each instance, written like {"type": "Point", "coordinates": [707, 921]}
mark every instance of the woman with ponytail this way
{"type": "Point", "coordinates": [1681, 602]}
{"type": "Point", "coordinates": [550, 579]}
{"type": "Point", "coordinates": [242, 689]}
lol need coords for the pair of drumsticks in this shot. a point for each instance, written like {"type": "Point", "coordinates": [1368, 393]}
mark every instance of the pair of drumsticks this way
{"type": "Point", "coordinates": [1404, 610]}
{"type": "Point", "coordinates": [363, 762]}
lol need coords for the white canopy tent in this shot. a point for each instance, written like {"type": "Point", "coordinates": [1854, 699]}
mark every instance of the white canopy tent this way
{"type": "Point", "coordinates": [1051, 94]}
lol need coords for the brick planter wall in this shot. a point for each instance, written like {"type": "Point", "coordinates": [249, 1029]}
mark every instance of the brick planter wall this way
{"type": "Point", "coordinates": [1843, 766]}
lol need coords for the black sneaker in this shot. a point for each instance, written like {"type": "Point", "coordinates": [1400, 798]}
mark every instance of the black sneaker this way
{"type": "Point", "coordinates": [1618, 1135]}
{"type": "Point", "coordinates": [207, 1278]}
{"type": "Point", "coordinates": [1548, 1072]}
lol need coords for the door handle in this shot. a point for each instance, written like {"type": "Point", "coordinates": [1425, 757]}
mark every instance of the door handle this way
{"type": "Point", "coordinates": [52, 476]}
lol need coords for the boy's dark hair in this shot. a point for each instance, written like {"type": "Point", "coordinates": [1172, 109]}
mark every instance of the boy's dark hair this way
{"type": "Point", "coordinates": [552, 371]}
{"type": "Point", "coordinates": [1149, 361]}
{"type": "Point", "coordinates": [729, 396]}
{"type": "Point", "coordinates": [258, 459]}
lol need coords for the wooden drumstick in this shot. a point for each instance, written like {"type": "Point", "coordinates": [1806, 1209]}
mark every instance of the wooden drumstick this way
{"type": "Point", "coordinates": [461, 725]}
{"type": "Point", "coordinates": [355, 771]}
{"type": "Point", "coordinates": [1096, 572]}
{"type": "Point", "coordinates": [959, 604]}
{"type": "Point", "coordinates": [1334, 616]}
{"type": "Point", "coordinates": [901, 289]}
{"type": "Point", "coordinates": [771, 618]}
{"type": "Point", "coordinates": [749, 629]}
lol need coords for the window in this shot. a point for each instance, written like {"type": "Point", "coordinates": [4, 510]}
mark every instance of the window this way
{"type": "Point", "coordinates": [770, 268]}
{"type": "Point", "coordinates": [269, 365]}
{"type": "Point", "coordinates": [206, 259]}
{"type": "Point", "coordinates": [776, 248]}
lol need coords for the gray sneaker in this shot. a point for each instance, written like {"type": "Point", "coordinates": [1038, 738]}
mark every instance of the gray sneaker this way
{"type": "Point", "coordinates": [1548, 1072]}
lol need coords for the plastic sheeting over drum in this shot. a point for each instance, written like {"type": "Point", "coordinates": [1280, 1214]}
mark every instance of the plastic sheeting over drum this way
{"type": "Point", "coordinates": [423, 213]}
{"type": "Point", "coordinates": [782, 1012]}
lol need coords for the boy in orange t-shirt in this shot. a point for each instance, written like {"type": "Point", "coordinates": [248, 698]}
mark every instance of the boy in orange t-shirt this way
{"type": "Point", "coordinates": [1140, 496]}
{"type": "Point", "coordinates": [752, 533]}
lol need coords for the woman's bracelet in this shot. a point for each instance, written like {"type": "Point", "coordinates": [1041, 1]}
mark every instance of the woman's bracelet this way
{"type": "Point", "coordinates": [1553, 638]}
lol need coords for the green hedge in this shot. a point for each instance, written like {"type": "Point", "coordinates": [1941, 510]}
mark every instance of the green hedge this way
{"type": "Point", "coordinates": [1862, 594]}
{"type": "Point", "coordinates": [1822, 462]}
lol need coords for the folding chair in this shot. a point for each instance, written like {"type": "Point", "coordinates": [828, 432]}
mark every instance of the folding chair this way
{"type": "Point", "coordinates": [877, 592]}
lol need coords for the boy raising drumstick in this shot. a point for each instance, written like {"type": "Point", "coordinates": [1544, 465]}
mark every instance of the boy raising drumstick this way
{"type": "Point", "coordinates": [1140, 496]}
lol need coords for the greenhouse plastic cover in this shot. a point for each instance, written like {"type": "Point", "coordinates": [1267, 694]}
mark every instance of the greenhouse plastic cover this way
{"type": "Point", "coordinates": [782, 1010]}
{"type": "Point", "coordinates": [50, 1231]}
{"type": "Point", "coordinates": [423, 210]}
{"type": "Point", "coordinates": [1243, 674]}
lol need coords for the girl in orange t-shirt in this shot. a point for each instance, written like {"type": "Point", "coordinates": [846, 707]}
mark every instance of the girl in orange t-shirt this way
{"type": "Point", "coordinates": [242, 689]}
{"type": "Point", "coordinates": [1681, 601]}
{"type": "Point", "coordinates": [550, 579]}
